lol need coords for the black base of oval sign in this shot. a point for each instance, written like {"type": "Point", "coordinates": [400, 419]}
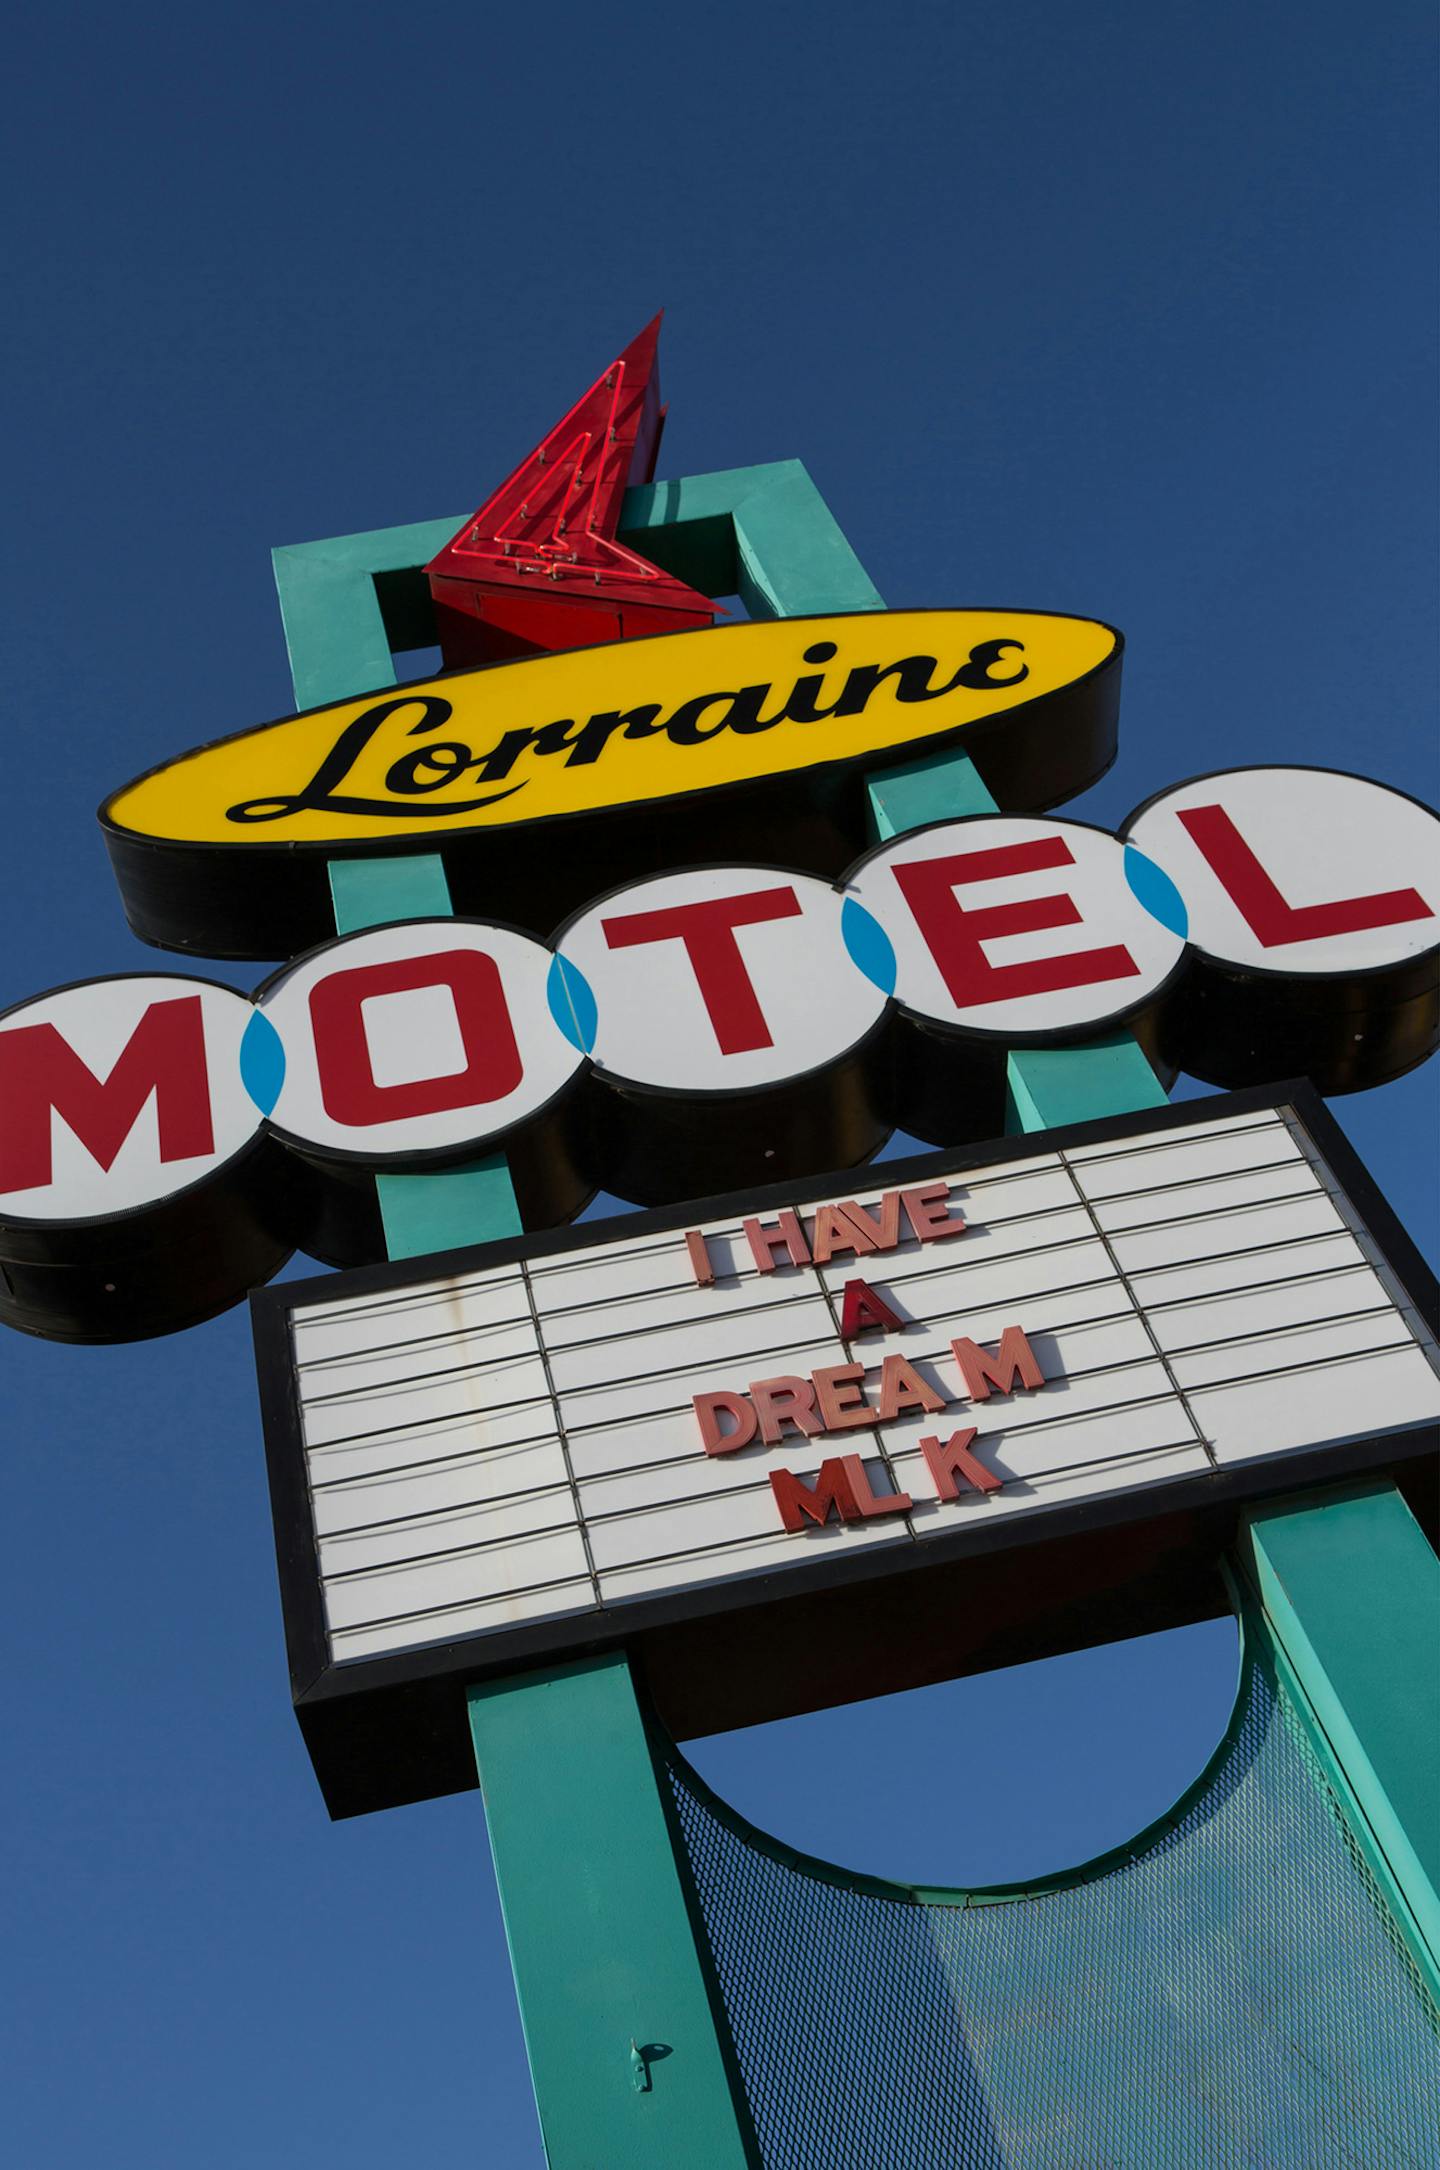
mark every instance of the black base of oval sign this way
{"type": "Point", "coordinates": [945, 1087]}
{"type": "Point", "coordinates": [333, 1206]}
{"type": "Point", "coordinates": [654, 1148]}
{"type": "Point", "coordinates": [1234, 1028]}
{"type": "Point", "coordinates": [155, 1271]}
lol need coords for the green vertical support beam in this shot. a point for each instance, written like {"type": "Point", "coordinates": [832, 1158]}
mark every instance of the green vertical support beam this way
{"type": "Point", "coordinates": [626, 2044]}
{"type": "Point", "coordinates": [1349, 1587]}
{"type": "Point", "coordinates": [1048, 1086]}
{"type": "Point", "coordinates": [377, 892]}
{"type": "Point", "coordinates": [473, 1204]}
{"type": "Point", "coordinates": [942, 786]}
{"type": "Point", "coordinates": [1045, 1086]}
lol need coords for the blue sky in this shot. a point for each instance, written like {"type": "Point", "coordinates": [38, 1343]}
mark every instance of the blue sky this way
{"type": "Point", "coordinates": [1124, 310]}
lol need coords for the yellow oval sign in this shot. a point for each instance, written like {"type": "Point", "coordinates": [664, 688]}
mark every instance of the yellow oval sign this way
{"type": "Point", "coordinates": [593, 730]}
{"type": "Point", "coordinates": [596, 727]}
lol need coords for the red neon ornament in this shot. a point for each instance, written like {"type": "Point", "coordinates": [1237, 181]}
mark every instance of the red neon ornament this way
{"type": "Point", "coordinates": [538, 567]}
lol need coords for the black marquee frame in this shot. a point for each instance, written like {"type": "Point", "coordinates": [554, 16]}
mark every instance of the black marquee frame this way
{"type": "Point", "coordinates": [385, 1731]}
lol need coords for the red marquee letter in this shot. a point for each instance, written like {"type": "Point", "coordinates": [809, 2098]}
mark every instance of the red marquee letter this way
{"type": "Point", "coordinates": [841, 1395]}
{"type": "Point", "coordinates": [863, 1307]}
{"type": "Point", "coordinates": [1014, 1359]}
{"type": "Point", "coordinates": [902, 1388]}
{"type": "Point", "coordinates": [835, 1231]}
{"type": "Point", "coordinates": [841, 1484]}
{"type": "Point", "coordinates": [944, 1461]}
{"type": "Point", "coordinates": [927, 1208]}
{"type": "Point", "coordinates": [709, 1409]}
{"type": "Point", "coordinates": [766, 1243]}
{"type": "Point", "coordinates": [781, 1401]}
{"type": "Point", "coordinates": [883, 1227]}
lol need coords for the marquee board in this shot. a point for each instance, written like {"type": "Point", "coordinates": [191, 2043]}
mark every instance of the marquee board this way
{"type": "Point", "coordinates": [1047, 1376]}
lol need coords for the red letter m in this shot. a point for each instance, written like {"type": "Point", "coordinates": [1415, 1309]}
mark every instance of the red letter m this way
{"type": "Point", "coordinates": [41, 1076]}
{"type": "Point", "coordinates": [1013, 1361]}
{"type": "Point", "coordinates": [840, 1483]}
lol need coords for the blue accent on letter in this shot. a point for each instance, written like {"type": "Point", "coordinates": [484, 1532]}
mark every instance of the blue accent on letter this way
{"type": "Point", "coordinates": [262, 1062]}
{"type": "Point", "coordinates": [1155, 893]}
{"type": "Point", "coordinates": [869, 945]}
{"type": "Point", "coordinates": [572, 1003]}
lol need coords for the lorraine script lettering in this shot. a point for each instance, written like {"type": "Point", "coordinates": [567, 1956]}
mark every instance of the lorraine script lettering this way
{"type": "Point", "coordinates": [419, 773]}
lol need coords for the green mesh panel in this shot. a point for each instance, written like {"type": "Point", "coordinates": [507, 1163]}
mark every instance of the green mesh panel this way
{"type": "Point", "coordinates": [1231, 1994]}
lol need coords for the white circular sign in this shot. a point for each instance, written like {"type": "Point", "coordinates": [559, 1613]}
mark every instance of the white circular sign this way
{"type": "Point", "coordinates": [415, 1039]}
{"type": "Point", "coordinates": [116, 1093]}
{"type": "Point", "coordinates": [720, 978]}
{"type": "Point", "coordinates": [1020, 927]}
{"type": "Point", "coordinates": [1297, 870]}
